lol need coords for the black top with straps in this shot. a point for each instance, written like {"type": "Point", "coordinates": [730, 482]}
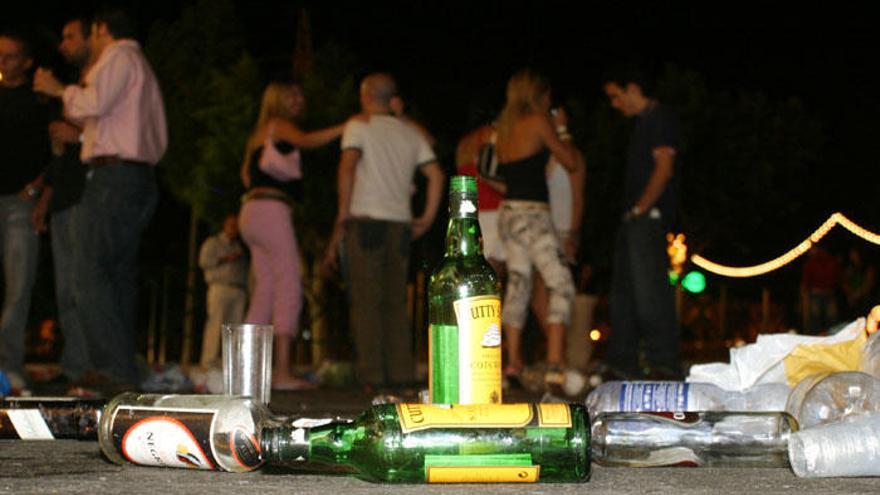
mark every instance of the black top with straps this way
{"type": "Point", "coordinates": [526, 178]}
{"type": "Point", "coordinates": [259, 178]}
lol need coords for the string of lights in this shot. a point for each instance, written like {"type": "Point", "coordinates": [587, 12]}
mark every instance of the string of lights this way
{"type": "Point", "coordinates": [776, 263]}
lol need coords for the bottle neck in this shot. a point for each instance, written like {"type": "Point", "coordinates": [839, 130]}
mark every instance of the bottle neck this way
{"type": "Point", "coordinates": [329, 443]}
{"type": "Point", "coordinates": [463, 237]}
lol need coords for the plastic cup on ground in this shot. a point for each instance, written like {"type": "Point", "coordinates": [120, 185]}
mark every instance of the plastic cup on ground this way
{"type": "Point", "coordinates": [247, 360]}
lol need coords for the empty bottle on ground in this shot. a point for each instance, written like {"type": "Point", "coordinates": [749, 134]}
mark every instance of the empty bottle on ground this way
{"type": "Point", "coordinates": [50, 418]}
{"type": "Point", "coordinates": [213, 432]}
{"type": "Point", "coordinates": [636, 396]}
{"type": "Point", "coordinates": [831, 397]}
{"type": "Point", "coordinates": [704, 439]}
{"type": "Point", "coordinates": [428, 443]}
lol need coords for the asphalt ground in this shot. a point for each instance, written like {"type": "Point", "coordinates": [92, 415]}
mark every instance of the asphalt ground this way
{"type": "Point", "coordinates": [68, 466]}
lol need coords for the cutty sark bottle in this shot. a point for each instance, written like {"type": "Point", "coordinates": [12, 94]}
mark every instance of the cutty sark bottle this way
{"type": "Point", "coordinates": [430, 443]}
{"type": "Point", "coordinates": [464, 310]}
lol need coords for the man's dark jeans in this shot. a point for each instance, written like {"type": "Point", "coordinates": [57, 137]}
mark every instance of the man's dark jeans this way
{"type": "Point", "coordinates": [642, 301]}
{"type": "Point", "coordinates": [117, 204]}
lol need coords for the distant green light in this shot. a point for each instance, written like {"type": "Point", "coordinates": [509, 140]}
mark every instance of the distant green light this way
{"type": "Point", "coordinates": [694, 282]}
{"type": "Point", "coordinates": [673, 277]}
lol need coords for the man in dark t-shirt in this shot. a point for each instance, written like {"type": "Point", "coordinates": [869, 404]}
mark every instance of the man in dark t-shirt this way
{"type": "Point", "coordinates": [24, 152]}
{"type": "Point", "coordinates": [57, 209]}
{"type": "Point", "coordinates": [642, 301]}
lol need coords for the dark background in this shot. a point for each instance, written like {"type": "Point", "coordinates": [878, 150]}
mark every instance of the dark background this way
{"type": "Point", "coordinates": [451, 58]}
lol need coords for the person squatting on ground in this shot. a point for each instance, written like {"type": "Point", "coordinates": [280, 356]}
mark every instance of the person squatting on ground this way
{"type": "Point", "coordinates": [271, 173]}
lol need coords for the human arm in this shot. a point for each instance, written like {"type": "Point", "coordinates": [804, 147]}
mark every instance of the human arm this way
{"type": "Point", "coordinates": [61, 131]}
{"type": "Point", "coordinates": [41, 210]}
{"type": "Point", "coordinates": [288, 131]}
{"type": "Point", "coordinates": [433, 196]}
{"type": "Point", "coordinates": [344, 184]}
{"type": "Point", "coordinates": [577, 181]}
{"type": "Point", "coordinates": [105, 85]}
{"type": "Point", "coordinates": [563, 149]}
{"type": "Point", "coordinates": [32, 189]}
{"type": "Point", "coordinates": [209, 254]}
{"type": "Point", "coordinates": [46, 83]}
{"type": "Point", "coordinates": [664, 169]}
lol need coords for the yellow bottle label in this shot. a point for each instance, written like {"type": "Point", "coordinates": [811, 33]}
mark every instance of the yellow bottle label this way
{"type": "Point", "coordinates": [554, 415]}
{"type": "Point", "coordinates": [415, 417]}
{"type": "Point", "coordinates": [483, 474]}
{"type": "Point", "coordinates": [479, 349]}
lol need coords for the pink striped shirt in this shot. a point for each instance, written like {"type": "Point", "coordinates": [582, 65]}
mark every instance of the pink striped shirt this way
{"type": "Point", "coordinates": [120, 106]}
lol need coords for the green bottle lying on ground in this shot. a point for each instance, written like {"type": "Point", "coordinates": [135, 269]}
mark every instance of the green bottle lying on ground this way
{"type": "Point", "coordinates": [420, 443]}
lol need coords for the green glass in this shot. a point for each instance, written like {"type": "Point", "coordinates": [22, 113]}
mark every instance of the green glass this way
{"type": "Point", "coordinates": [375, 447]}
{"type": "Point", "coordinates": [463, 273]}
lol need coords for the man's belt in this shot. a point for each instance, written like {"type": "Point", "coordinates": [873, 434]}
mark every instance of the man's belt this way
{"type": "Point", "coordinates": [101, 161]}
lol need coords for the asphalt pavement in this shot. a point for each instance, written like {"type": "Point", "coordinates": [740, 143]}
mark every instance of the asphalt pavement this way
{"type": "Point", "coordinates": [68, 466]}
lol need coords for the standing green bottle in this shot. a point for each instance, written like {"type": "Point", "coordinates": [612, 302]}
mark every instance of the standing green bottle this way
{"type": "Point", "coordinates": [464, 341]}
{"type": "Point", "coordinates": [427, 443]}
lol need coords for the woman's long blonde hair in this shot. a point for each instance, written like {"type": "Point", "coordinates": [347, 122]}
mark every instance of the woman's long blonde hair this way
{"type": "Point", "coordinates": [272, 106]}
{"type": "Point", "coordinates": [524, 92]}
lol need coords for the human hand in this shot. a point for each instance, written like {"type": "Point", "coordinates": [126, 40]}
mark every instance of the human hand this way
{"type": "Point", "coordinates": [420, 226]}
{"type": "Point", "coordinates": [63, 132]}
{"type": "Point", "coordinates": [38, 215]}
{"type": "Point", "coordinates": [873, 319]}
{"type": "Point", "coordinates": [559, 117]}
{"type": "Point", "coordinates": [570, 248]}
{"type": "Point", "coordinates": [45, 82]}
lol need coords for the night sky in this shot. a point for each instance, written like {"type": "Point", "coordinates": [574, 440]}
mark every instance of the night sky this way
{"type": "Point", "coordinates": [449, 55]}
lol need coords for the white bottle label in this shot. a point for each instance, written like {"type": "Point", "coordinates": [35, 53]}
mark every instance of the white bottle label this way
{"type": "Point", "coordinates": [167, 438]}
{"type": "Point", "coordinates": [29, 424]}
{"type": "Point", "coordinates": [653, 396]}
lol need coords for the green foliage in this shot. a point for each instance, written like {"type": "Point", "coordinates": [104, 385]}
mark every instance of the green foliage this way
{"type": "Point", "coordinates": [331, 97]}
{"type": "Point", "coordinates": [210, 87]}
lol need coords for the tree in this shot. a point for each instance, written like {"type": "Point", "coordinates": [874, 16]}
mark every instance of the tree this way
{"type": "Point", "coordinates": [209, 102]}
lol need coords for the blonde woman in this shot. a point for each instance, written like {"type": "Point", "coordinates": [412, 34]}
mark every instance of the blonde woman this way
{"type": "Point", "coordinates": [272, 178]}
{"type": "Point", "coordinates": [527, 137]}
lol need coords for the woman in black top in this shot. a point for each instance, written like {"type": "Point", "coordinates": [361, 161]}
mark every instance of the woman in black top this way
{"type": "Point", "coordinates": [266, 223]}
{"type": "Point", "coordinates": [526, 139]}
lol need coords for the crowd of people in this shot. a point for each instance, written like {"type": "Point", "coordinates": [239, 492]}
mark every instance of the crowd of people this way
{"type": "Point", "coordinates": [82, 152]}
{"type": "Point", "coordinates": [79, 161]}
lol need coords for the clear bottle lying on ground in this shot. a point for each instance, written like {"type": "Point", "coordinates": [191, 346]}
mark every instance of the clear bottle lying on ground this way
{"type": "Point", "coordinates": [848, 448]}
{"type": "Point", "coordinates": [421, 443]}
{"type": "Point", "coordinates": [831, 397]}
{"type": "Point", "coordinates": [704, 439]}
{"type": "Point", "coordinates": [636, 396]}
{"type": "Point", "coordinates": [212, 432]}
{"type": "Point", "coordinates": [49, 418]}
